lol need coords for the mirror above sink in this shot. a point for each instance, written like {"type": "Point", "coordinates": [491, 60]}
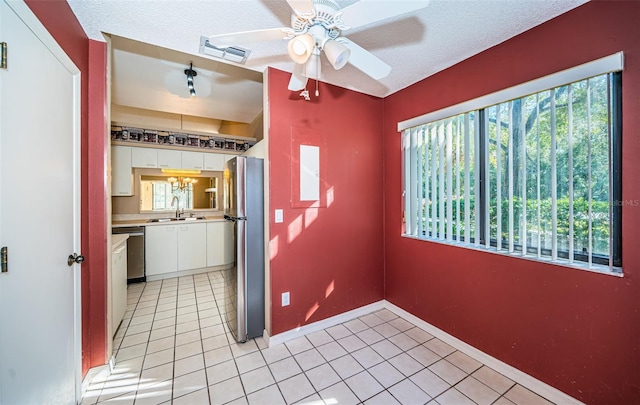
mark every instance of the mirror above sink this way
{"type": "Point", "coordinates": [157, 192]}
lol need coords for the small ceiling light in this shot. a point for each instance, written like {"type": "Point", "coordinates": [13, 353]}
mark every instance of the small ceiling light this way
{"type": "Point", "coordinates": [337, 53]}
{"type": "Point", "coordinates": [190, 75]}
{"type": "Point", "coordinates": [301, 48]}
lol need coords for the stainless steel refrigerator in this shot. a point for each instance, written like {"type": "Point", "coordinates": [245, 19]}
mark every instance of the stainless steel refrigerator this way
{"type": "Point", "coordinates": [244, 282]}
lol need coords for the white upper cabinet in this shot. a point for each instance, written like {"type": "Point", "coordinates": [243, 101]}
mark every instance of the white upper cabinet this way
{"type": "Point", "coordinates": [169, 159]}
{"type": "Point", "coordinates": [214, 161]}
{"type": "Point", "coordinates": [192, 160]}
{"type": "Point", "coordinates": [144, 157]}
{"type": "Point", "coordinates": [121, 174]}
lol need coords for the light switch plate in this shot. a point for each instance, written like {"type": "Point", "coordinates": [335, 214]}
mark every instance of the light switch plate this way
{"type": "Point", "coordinates": [279, 216]}
{"type": "Point", "coordinates": [285, 299]}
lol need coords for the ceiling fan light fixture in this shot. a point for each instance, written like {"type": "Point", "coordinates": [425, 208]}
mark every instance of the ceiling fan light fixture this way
{"type": "Point", "coordinates": [337, 53]}
{"type": "Point", "coordinates": [300, 48]}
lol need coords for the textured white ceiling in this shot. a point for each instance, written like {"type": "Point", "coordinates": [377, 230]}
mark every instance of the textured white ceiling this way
{"type": "Point", "coordinates": [415, 45]}
{"type": "Point", "coordinates": [153, 78]}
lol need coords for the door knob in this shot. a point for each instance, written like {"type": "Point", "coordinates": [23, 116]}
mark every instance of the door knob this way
{"type": "Point", "coordinates": [75, 258]}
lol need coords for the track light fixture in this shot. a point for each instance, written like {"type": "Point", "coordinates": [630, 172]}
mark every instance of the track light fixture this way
{"type": "Point", "coordinates": [190, 75]}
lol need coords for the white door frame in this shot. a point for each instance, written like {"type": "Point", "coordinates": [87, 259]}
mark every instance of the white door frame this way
{"type": "Point", "coordinates": [31, 21]}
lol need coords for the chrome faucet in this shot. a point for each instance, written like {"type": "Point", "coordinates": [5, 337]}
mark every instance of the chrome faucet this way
{"type": "Point", "coordinates": [176, 200]}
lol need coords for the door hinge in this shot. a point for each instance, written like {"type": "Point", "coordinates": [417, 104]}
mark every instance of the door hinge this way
{"type": "Point", "coordinates": [3, 61]}
{"type": "Point", "coordinates": [4, 260]}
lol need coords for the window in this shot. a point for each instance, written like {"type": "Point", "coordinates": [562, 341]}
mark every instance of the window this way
{"type": "Point", "coordinates": [157, 193]}
{"type": "Point", "coordinates": [536, 176]}
{"type": "Point", "coordinates": [163, 194]}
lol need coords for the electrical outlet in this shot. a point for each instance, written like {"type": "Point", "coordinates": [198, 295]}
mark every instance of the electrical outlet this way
{"type": "Point", "coordinates": [285, 299]}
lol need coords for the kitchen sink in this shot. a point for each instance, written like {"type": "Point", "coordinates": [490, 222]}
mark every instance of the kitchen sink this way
{"type": "Point", "coordinates": [176, 219]}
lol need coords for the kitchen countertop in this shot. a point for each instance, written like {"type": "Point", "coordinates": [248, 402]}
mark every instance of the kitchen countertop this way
{"type": "Point", "coordinates": [119, 239]}
{"type": "Point", "coordinates": [145, 222]}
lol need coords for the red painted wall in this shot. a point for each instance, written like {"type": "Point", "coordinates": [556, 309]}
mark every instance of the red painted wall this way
{"type": "Point", "coordinates": [330, 259]}
{"type": "Point", "coordinates": [94, 212]}
{"type": "Point", "coordinates": [575, 330]}
{"type": "Point", "coordinates": [90, 58]}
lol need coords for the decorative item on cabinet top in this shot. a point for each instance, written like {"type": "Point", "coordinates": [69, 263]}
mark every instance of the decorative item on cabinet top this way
{"type": "Point", "coordinates": [147, 136]}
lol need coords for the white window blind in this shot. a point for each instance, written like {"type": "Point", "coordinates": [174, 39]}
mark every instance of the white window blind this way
{"type": "Point", "coordinates": [536, 176]}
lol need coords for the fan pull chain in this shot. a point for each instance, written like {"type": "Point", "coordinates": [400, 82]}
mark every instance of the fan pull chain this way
{"type": "Point", "coordinates": [317, 91]}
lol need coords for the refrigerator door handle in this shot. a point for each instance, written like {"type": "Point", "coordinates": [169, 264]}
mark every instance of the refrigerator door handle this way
{"type": "Point", "coordinates": [241, 281]}
{"type": "Point", "coordinates": [234, 219]}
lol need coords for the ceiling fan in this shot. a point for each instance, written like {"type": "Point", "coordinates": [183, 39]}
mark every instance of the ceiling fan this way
{"type": "Point", "coordinates": [316, 28]}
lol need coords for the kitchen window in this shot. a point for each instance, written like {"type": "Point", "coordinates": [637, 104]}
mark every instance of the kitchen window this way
{"type": "Point", "coordinates": [157, 193]}
{"type": "Point", "coordinates": [535, 176]}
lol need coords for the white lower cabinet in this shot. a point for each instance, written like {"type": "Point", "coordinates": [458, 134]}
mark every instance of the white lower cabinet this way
{"type": "Point", "coordinates": [192, 246]}
{"type": "Point", "coordinates": [215, 243]}
{"type": "Point", "coordinates": [161, 249]}
{"type": "Point", "coordinates": [118, 284]}
{"type": "Point", "coordinates": [229, 242]}
{"type": "Point", "coordinates": [220, 243]}
{"type": "Point", "coordinates": [181, 247]}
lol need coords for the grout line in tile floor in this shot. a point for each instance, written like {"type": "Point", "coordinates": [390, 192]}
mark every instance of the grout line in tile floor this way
{"type": "Point", "coordinates": [174, 348]}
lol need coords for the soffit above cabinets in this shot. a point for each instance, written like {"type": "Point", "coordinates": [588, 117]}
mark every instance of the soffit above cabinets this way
{"type": "Point", "coordinates": [152, 78]}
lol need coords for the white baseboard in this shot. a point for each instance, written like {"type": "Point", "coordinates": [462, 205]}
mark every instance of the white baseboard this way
{"type": "Point", "coordinates": [323, 324]}
{"type": "Point", "coordinates": [527, 381]}
{"type": "Point", "coordinates": [175, 274]}
{"type": "Point", "coordinates": [96, 374]}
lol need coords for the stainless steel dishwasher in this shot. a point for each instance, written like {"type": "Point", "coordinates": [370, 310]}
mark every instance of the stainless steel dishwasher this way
{"type": "Point", "coordinates": [135, 252]}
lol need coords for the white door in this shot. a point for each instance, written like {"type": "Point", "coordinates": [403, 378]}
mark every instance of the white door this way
{"type": "Point", "coordinates": [39, 215]}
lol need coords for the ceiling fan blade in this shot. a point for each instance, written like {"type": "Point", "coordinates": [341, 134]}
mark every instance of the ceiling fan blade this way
{"type": "Point", "coordinates": [366, 61]}
{"type": "Point", "coordinates": [370, 11]}
{"type": "Point", "coordinates": [248, 37]}
{"type": "Point", "coordinates": [298, 80]}
{"type": "Point", "coordinates": [301, 6]}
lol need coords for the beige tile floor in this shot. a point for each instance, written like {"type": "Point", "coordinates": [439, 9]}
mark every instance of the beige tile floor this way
{"type": "Point", "coordinates": [173, 348]}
